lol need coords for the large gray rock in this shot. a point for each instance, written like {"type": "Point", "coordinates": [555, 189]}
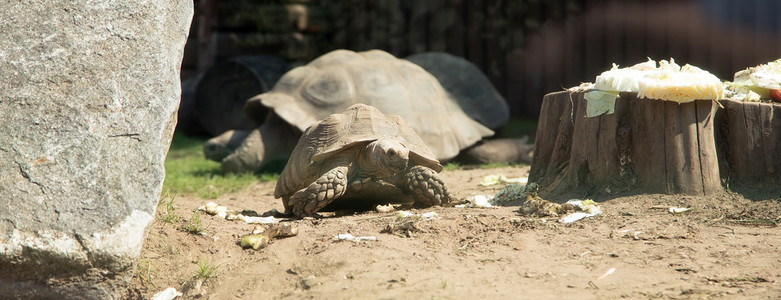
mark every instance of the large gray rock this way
{"type": "Point", "coordinates": [88, 101]}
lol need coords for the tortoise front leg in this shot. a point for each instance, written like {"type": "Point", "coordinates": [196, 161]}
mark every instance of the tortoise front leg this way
{"type": "Point", "coordinates": [307, 201]}
{"type": "Point", "coordinates": [426, 186]}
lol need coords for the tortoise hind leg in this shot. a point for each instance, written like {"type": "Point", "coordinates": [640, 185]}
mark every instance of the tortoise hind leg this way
{"type": "Point", "coordinates": [426, 186]}
{"type": "Point", "coordinates": [307, 201]}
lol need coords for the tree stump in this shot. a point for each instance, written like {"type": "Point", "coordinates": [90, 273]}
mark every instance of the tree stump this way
{"type": "Point", "coordinates": [646, 146]}
{"type": "Point", "coordinates": [749, 142]}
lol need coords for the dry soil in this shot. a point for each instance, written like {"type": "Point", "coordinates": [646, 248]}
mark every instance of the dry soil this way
{"type": "Point", "coordinates": [726, 246]}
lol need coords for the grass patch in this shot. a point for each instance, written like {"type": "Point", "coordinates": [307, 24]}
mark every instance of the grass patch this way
{"type": "Point", "coordinates": [166, 209]}
{"type": "Point", "coordinates": [194, 225]}
{"type": "Point", "coordinates": [451, 166]}
{"type": "Point", "coordinates": [144, 273]}
{"type": "Point", "coordinates": [494, 165]}
{"type": "Point", "coordinates": [187, 171]}
{"type": "Point", "coordinates": [518, 127]}
{"type": "Point", "coordinates": [167, 249]}
{"type": "Point", "coordinates": [205, 269]}
{"type": "Point", "coordinates": [501, 165]}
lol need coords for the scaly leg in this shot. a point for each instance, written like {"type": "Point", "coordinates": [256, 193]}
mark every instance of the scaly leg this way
{"type": "Point", "coordinates": [426, 186]}
{"type": "Point", "coordinates": [307, 201]}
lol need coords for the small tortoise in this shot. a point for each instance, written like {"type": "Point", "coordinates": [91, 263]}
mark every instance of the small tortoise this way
{"type": "Point", "coordinates": [360, 154]}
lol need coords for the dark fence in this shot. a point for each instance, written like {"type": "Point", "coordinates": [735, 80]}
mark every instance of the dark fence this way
{"type": "Point", "coordinates": [526, 48]}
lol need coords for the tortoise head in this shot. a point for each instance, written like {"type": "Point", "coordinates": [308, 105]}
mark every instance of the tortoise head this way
{"type": "Point", "coordinates": [384, 157]}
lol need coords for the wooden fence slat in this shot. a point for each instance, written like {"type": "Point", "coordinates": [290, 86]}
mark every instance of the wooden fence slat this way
{"type": "Point", "coordinates": [416, 28]}
{"type": "Point", "coordinates": [492, 36]}
{"type": "Point", "coordinates": [475, 19]}
{"type": "Point", "coordinates": [456, 31]}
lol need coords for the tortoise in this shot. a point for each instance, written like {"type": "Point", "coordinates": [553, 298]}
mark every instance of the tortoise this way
{"type": "Point", "coordinates": [360, 154]}
{"type": "Point", "coordinates": [341, 78]}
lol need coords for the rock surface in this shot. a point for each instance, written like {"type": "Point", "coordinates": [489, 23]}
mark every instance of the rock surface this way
{"type": "Point", "coordinates": [87, 109]}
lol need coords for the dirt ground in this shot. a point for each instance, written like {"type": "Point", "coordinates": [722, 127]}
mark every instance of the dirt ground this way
{"type": "Point", "coordinates": [725, 247]}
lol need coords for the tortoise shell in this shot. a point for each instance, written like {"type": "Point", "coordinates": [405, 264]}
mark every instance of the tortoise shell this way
{"type": "Point", "coordinates": [343, 135]}
{"type": "Point", "coordinates": [465, 83]}
{"type": "Point", "coordinates": [337, 80]}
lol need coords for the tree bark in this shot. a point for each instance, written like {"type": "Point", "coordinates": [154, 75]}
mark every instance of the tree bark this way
{"type": "Point", "coordinates": [646, 146]}
{"type": "Point", "coordinates": [749, 142]}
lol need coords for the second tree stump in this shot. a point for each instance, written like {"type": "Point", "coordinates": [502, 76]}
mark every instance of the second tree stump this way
{"type": "Point", "coordinates": [749, 136]}
{"type": "Point", "coordinates": [653, 146]}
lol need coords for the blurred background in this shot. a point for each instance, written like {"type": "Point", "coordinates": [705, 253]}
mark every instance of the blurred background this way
{"type": "Point", "coordinates": [527, 48]}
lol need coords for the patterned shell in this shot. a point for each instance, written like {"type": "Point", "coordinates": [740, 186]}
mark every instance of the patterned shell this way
{"type": "Point", "coordinates": [337, 80]}
{"type": "Point", "coordinates": [340, 134]}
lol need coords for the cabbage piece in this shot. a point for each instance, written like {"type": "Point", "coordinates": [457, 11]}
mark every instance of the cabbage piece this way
{"type": "Point", "coordinates": [689, 84]}
{"type": "Point", "coordinates": [669, 81]}
{"type": "Point", "coordinates": [600, 102]}
{"type": "Point", "coordinates": [624, 80]}
{"type": "Point", "coordinates": [755, 83]}
{"type": "Point", "coordinates": [767, 76]}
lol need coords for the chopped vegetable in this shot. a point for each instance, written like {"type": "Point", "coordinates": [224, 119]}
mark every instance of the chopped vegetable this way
{"type": "Point", "coordinates": [775, 95]}
{"type": "Point", "coordinates": [668, 81]}
{"type": "Point", "coordinates": [757, 83]}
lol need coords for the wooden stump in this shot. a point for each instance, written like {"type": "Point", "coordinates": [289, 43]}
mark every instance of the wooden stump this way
{"type": "Point", "coordinates": [648, 146]}
{"type": "Point", "coordinates": [749, 142]}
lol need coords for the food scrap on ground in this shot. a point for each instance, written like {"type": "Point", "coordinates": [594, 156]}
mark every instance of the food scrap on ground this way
{"type": "Point", "coordinates": [534, 206]}
{"type": "Point", "coordinates": [530, 203]}
{"type": "Point", "coordinates": [678, 210]}
{"type": "Point", "coordinates": [254, 241]}
{"type": "Point", "coordinates": [262, 235]}
{"type": "Point", "coordinates": [501, 179]}
{"type": "Point", "coordinates": [249, 217]}
{"type": "Point", "coordinates": [282, 230]}
{"type": "Point", "coordinates": [672, 209]}
{"type": "Point", "coordinates": [350, 237]}
{"type": "Point", "coordinates": [482, 201]}
{"type": "Point", "coordinates": [214, 210]}
{"type": "Point", "coordinates": [583, 209]}
{"type": "Point", "coordinates": [167, 294]}
{"type": "Point", "coordinates": [402, 214]}
{"type": "Point", "coordinates": [384, 208]}
{"type": "Point", "coordinates": [252, 219]}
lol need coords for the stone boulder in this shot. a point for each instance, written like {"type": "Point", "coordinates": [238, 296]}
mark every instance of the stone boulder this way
{"type": "Point", "coordinates": [88, 102]}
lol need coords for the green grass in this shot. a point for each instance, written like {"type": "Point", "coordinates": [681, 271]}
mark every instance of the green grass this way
{"type": "Point", "coordinates": [501, 165]}
{"type": "Point", "coordinates": [205, 270]}
{"type": "Point", "coordinates": [144, 273]}
{"type": "Point", "coordinates": [189, 172]}
{"type": "Point", "coordinates": [518, 127]}
{"type": "Point", "coordinates": [494, 165]}
{"type": "Point", "coordinates": [166, 209]}
{"type": "Point", "coordinates": [451, 166]}
{"type": "Point", "coordinates": [194, 225]}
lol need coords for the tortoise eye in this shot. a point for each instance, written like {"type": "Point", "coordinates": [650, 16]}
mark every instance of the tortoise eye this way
{"type": "Point", "coordinates": [392, 152]}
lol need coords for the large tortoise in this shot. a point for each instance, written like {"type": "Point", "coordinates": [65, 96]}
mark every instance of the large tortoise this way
{"type": "Point", "coordinates": [341, 78]}
{"type": "Point", "coordinates": [360, 154]}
